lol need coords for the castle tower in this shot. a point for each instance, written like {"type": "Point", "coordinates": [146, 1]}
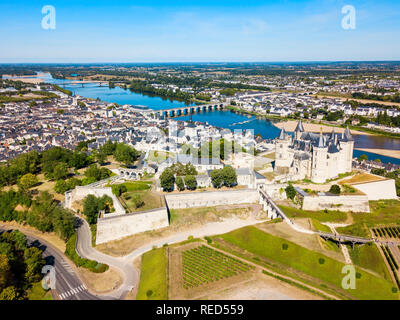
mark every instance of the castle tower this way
{"type": "Point", "coordinates": [348, 149]}
{"type": "Point", "coordinates": [299, 130]}
{"type": "Point", "coordinates": [320, 165]}
{"type": "Point", "coordinates": [282, 159]}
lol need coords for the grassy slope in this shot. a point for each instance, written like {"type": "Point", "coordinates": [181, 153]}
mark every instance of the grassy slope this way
{"type": "Point", "coordinates": [331, 216]}
{"type": "Point", "coordinates": [320, 227]}
{"type": "Point", "coordinates": [307, 261]}
{"type": "Point", "coordinates": [369, 257]}
{"type": "Point", "coordinates": [153, 277]}
{"type": "Point", "coordinates": [36, 292]}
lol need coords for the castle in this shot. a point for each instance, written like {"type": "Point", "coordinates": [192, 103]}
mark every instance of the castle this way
{"type": "Point", "coordinates": [313, 156]}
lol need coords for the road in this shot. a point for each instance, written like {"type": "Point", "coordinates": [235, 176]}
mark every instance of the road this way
{"type": "Point", "coordinates": [68, 284]}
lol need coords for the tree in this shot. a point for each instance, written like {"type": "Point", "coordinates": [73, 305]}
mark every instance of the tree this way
{"type": "Point", "coordinates": [101, 157]}
{"type": "Point", "coordinates": [125, 154]}
{"type": "Point", "coordinates": [61, 186]}
{"type": "Point", "coordinates": [9, 293]}
{"type": "Point", "coordinates": [363, 157]}
{"type": "Point", "coordinates": [90, 209]}
{"type": "Point", "coordinates": [290, 192]}
{"type": "Point", "coordinates": [60, 171]}
{"type": "Point", "coordinates": [229, 176]}
{"type": "Point", "coordinates": [97, 173]}
{"type": "Point", "coordinates": [5, 272]}
{"type": "Point", "coordinates": [335, 189]}
{"type": "Point", "coordinates": [118, 189]}
{"type": "Point", "coordinates": [217, 178]}
{"type": "Point", "coordinates": [179, 183]}
{"type": "Point", "coordinates": [167, 180]}
{"type": "Point", "coordinates": [27, 181]}
{"type": "Point", "coordinates": [34, 264]}
{"type": "Point", "coordinates": [191, 182]}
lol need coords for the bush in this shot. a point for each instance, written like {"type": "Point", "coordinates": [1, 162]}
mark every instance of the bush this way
{"type": "Point", "coordinates": [321, 260]}
{"type": "Point", "coordinates": [335, 189]}
{"type": "Point", "coordinates": [91, 265]}
{"type": "Point", "coordinates": [285, 246]}
{"type": "Point", "coordinates": [209, 240]}
{"type": "Point", "coordinates": [290, 192]}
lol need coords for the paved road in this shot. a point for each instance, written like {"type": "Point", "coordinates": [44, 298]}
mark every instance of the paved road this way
{"type": "Point", "coordinates": [68, 284]}
{"type": "Point", "coordinates": [84, 248]}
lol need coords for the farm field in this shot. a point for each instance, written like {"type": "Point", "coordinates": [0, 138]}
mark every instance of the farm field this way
{"type": "Point", "coordinates": [289, 255]}
{"type": "Point", "coordinates": [389, 232]}
{"type": "Point", "coordinates": [153, 277]}
{"type": "Point", "coordinates": [202, 265]}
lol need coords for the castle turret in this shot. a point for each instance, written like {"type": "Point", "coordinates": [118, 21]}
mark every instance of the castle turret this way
{"type": "Point", "coordinates": [299, 130]}
{"type": "Point", "coordinates": [282, 159]}
{"type": "Point", "coordinates": [320, 161]}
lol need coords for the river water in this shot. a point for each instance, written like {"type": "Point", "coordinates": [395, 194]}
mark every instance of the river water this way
{"type": "Point", "coordinates": [223, 119]}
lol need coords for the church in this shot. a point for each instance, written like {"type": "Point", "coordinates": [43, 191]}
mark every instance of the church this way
{"type": "Point", "coordinates": [318, 157]}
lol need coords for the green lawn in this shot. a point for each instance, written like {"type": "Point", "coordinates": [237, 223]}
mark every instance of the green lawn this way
{"type": "Point", "coordinates": [308, 262]}
{"type": "Point", "coordinates": [36, 292]}
{"type": "Point", "coordinates": [138, 185]}
{"type": "Point", "coordinates": [320, 227]}
{"type": "Point", "coordinates": [153, 277]}
{"type": "Point", "coordinates": [368, 256]}
{"type": "Point", "coordinates": [331, 216]}
{"type": "Point", "coordinates": [384, 212]}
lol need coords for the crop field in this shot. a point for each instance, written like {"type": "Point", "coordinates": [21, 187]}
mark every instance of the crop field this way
{"type": "Point", "coordinates": [202, 265]}
{"type": "Point", "coordinates": [387, 232]}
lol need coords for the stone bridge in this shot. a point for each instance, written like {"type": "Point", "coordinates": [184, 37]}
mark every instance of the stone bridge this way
{"type": "Point", "coordinates": [130, 174]}
{"type": "Point", "coordinates": [176, 112]}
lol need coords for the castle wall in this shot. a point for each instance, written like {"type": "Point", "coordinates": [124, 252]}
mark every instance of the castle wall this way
{"type": "Point", "coordinates": [118, 227]}
{"type": "Point", "coordinates": [211, 199]}
{"type": "Point", "coordinates": [378, 190]}
{"type": "Point", "coordinates": [340, 203]}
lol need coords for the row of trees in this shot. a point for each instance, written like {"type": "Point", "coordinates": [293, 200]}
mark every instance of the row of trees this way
{"type": "Point", "coordinates": [20, 266]}
{"type": "Point", "coordinates": [224, 177]}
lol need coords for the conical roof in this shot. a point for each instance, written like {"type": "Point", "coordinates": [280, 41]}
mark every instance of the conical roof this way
{"type": "Point", "coordinates": [348, 135]}
{"type": "Point", "coordinates": [299, 127]}
{"type": "Point", "coordinates": [282, 134]}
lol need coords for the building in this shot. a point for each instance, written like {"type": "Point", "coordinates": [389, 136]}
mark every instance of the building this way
{"type": "Point", "coordinates": [317, 157]}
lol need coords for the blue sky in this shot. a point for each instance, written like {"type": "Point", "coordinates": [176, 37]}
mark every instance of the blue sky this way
{"type": "Point", "coordinates": [170, 31]}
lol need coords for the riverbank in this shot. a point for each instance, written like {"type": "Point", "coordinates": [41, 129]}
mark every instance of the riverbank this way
{"type": "Point", "coordinates": [290, 126]}
{"type": "Point", "coordinates": [383, 152]}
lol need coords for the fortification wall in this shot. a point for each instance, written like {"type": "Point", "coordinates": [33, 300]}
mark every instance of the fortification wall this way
{"type": "Point", "coordinates": [378, 190]}
{"type": "Point", "coordinates": [211, 199]}
{"type": "Point", "coordinates": [340, 203]}
{"type": "Point", "coordinates": [118, 227]}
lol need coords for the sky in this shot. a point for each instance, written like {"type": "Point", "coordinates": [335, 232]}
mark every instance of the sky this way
{"type": "Point", "coordinates": [198, 31]}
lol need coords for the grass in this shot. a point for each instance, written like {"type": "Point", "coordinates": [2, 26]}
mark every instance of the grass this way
{"type": "Point", "coordinates": [322, 216]}
{"type": "Point", "coordinates": [308, 262]}
{"type": "Point", "coordinates": [153, 277]}
{"type": "Point", "coordinates": [158, 156]}
{"type": "Point", "coordinates": [36, 292]}
{"type": "Point", "coordinates": [150, 200]}
{"type": "Point", "coordinates": [320, 227]}
{"type": "Point", "coordinates": [368, 256]}
{"type": "Point", "coordinates": [138, 185]}
{"type": "Point", "coordinates": [361, 178]}
{"type": "Point", "coordinates": [202, 265]}
{"type": "Point", "coordinates": [357, 229]}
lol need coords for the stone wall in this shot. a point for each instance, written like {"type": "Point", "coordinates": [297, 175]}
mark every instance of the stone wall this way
{"type": "Point", "coordinates": [211, 199]}
{"type": "Point", "coordinates": [340, 203]}
{"type": "Point", "coordinates": [80, 193]}
{"type": "Point", "coordinates": [378, 190]}
{"type": "Point", "coordinates": [118, 227]}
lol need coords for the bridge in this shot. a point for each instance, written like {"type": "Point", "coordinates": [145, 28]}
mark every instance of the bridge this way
{"type": "Point", "coordinates": [176, 112]}
{"type": "Point", "coordinates": [274, 212]}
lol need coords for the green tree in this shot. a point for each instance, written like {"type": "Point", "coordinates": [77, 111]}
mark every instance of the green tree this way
{"type": "Point", "coordinates": [335, 189]}
{"type": "Point", "coordinates": [290, 192]}
{"type": "Point", "coordinates": [190, 182]}
{"type": "Point", "coordinates": [27, 181]}
{"type": "Point", "coordinates": [125, 154]}
{"type": "Point", "coordinates": [137, 201]}
{"type": "Point", "coordinates": [9, 293]}
{"type": "Point", "coordinates": [167, 180]}
{"type": "Point", "coordinates": [229, 176]}
{"type": "Point", "coordinates": [217, 178]}
{"type": "Point", "coordinates": [91, 209]}
{"type": "Point", "coordinates": [34, 264]}
{"type": "Point", "coordinates": [363, 157]}
{"type": "Point", "coordinates": [118, 189]}
{"type": "Point", "coordinates": [61, 186]}
{"type": "Point", "coordinates": [179, 183]}
{"type": "Point", "coordinates": [60, 171]}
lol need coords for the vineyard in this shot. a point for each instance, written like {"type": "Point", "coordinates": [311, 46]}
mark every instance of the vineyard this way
{"type": "Point", "coordinates": [387, 232]}
{"type": "Point", "coordinates": [392, 263]}
{"type": "Point", "coordinates": [203, 265]}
